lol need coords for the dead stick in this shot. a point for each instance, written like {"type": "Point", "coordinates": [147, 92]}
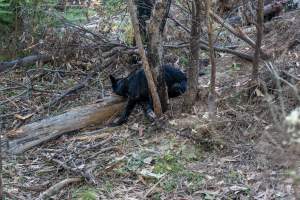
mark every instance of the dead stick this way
{"type": "Point", "coordinates": [57, 187]}
{"type": "Point", "coordinates": [88, 177]}
{"type": "Point", "coordinates": [29, 60]}
{"type": "Point", "coordinates": [153, 187]}
{"type": "Point", "coordinates": [69, 91]}
{"type": "Point", "coordinates": [12, 196]}
{"type": "Point", "coordinates": [232, 30]}
{"type": "Point", "coordinates": [240, 34]}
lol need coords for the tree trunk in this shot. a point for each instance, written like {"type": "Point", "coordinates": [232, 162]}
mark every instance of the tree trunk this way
{"type": "Point", "coordinates": [259, 28]}
{"type": "Point", "coordinates": [155, 48]}
{"type": "Point", "coordinates": [45, 130]}
{"type": "Point", "coordinates": [147, 69]}
{"type": "Point", "coordinates": [212, 93]}
{"type": "Point", "coordinates": [193, 69]}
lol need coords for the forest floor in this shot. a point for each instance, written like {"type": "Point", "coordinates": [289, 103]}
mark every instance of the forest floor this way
{"type": "Point", "coordinates": [237, 156]}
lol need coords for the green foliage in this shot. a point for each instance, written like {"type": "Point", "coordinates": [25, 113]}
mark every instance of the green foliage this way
{"type": "Point", "coordinates": [25, 21]}
{"type": "Point", "coordinates": [11, 93]}
{"type": "Point", "coordinates": [78, 15]}
{"type": "Point", "coordinates": [86, 193]}
{"type": "Point", "coordinates": [234, 177]}
{"type": "Point", "coordinates": [169, 184]}
{"type": "Point", "coordinates": [6, 14]}
{"type": "Point", "coordinates": [112, 6]}
{"type": "Point", "coordinates": [168, 163]}
{"type": "Point", "coordinates": [128, 34]}
{"type": "Point", "coordinates": [236, 66]}
{"type": "Point", "coordinates": [136, 161]}
{"type": "Point", "coordinates": [191, 152]}
{"type": "Point", "coordinates": [184, 61]}
{"type": "Point", "coordinates": [192, 180]}
{"type": "Point", "coordinates": [108, 186]}
{"type": "Point", "coordinates": [168, 167]}
{"type": "Point", "coordinates": [173, 164]}
{"type": "Point", "coordinates": [12, 12]}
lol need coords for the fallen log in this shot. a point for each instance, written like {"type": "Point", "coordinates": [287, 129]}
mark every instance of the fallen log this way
{"type": "Point", "coordinates": [29, 60]}
{"type": "Point", "coordinates": [36, 133]}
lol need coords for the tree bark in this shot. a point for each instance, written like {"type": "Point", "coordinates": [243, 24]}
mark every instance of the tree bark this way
{"type": "Point", "coordinates": [193, 69]}
{"type": "Point", "coordinates": [155, 48]}
{"type": "Point", "coordinates": [147, 69]}
{"type": "Point", "coordinates": [259, 28]}
{"type": "Point", "coordinates": [45, 130]}
{"type": "Point", "coordinates": [212, 93]}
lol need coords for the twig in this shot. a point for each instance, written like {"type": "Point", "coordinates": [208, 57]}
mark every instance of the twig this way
{"type": "Point", "coordinates": [88, 177]}
{"type": "Point", "coordinates": [103, 151]}
{"type": "Point", "coordinates": [37, 188]}
{"type": "Point", "coordinates": [12, 114]}
{"type": "Point", "coordinates": [240, 34]}
{"type": "Point", "coordinates": [69, 91]}
{"type": "Point", "coordinates": [93, 146]}
{"type": "Point", "coordinates": [10, 99]}
{"type": "Point", "coordinates": [153, 187]}
{"type": "Point", "coordinates": [12, 196]}
{"type": "Point", "coordinates": [57, 187]}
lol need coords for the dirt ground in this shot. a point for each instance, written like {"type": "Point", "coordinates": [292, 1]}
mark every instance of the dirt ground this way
{"type": "Point", "coordinates": [185, 156]}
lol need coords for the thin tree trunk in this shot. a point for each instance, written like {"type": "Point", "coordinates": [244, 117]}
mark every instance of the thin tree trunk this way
{"type": "Point", "coordinates": [193, 69]}
{"type": "Point", "coordinates": [259, 35]}
{"type": "Point", "coordinates": [162, 89]}
{"type": "Point", "coordinates": [155, 48]}
{"type": "Point", "coordinates": [147, 69]}
{"type": "Point", "coordinates": [212, 93]}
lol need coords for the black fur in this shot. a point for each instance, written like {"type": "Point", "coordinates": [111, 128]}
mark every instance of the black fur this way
{"type": "Point", "coordinates": [135, 89]}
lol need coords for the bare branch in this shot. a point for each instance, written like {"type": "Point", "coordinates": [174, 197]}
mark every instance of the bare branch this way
{"type": "Point", "coordinates": [57, 187]}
